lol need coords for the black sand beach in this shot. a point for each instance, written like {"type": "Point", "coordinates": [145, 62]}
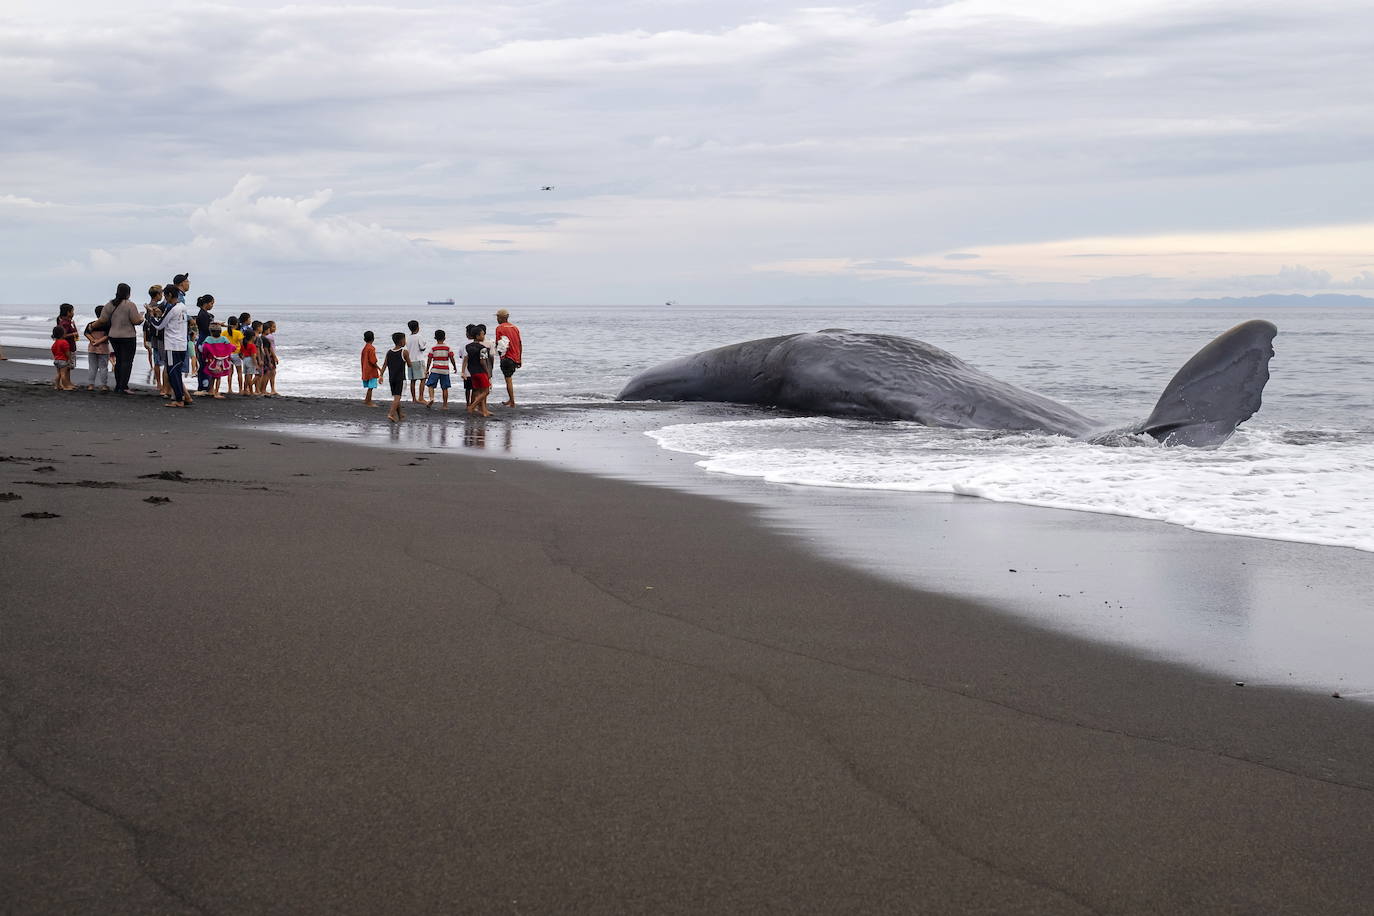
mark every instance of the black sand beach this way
{"type": "Point", "coordinates": [330, 678]}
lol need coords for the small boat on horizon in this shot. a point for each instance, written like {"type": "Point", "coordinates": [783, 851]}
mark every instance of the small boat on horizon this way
{"type": "Point", "coordinates": [439, 302]}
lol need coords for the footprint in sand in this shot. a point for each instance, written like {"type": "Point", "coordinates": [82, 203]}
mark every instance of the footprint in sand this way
{"type": "Point", "coordinates": [158, 500]}
{"type": "Point", "coordinates": [41, 515]}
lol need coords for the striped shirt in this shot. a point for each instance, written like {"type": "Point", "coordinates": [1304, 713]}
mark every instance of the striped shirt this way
{"type": "Point", "coordinates": [443, 359]}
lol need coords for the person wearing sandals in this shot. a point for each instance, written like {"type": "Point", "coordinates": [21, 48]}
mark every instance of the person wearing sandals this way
{"type": "Point", "coordinates": [173, 327]}
{"type": "Point", "coordinates": [215, 351]}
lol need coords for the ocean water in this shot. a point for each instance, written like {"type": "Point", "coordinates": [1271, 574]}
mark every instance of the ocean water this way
{"type": "Point", "coordinates": [1301, 470]}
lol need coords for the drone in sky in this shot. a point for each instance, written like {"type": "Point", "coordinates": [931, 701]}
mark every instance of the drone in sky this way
{"type": "Point", "coordinates": [547, 187]}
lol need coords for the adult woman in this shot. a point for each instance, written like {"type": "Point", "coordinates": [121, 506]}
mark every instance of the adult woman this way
{"type": "Point", "coordinates": [121, 317]}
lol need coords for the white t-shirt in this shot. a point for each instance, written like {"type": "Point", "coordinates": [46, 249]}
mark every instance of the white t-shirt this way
{"type": "Point", "coordinates": [415, 348]}
{"type": "Point", "coordinates": [173, 327]}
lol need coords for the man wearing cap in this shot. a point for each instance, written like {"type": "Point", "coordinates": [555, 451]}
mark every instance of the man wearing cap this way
{"type": "Point", "coordinates": [508, 348]}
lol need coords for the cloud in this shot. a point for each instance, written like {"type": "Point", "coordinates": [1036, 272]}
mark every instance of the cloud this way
{"type": "Point", "coordinates": [848, 134]}
{"type": "Point", "coordinates": [1167, 265]}
{"type": "Point", "coordinates": [246, 226]}
{"type": "Point", "coordinates": [1297, 278]}
{"type": "Point", "coordinates": [290, 230]}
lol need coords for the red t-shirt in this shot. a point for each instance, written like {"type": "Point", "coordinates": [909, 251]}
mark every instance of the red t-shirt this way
{"type": "Point", "coordinates": [61, 349]}
{"type": "Point", "coordinates": [509, 332]}
{"type": "Point", "coordinates": [370, 368]}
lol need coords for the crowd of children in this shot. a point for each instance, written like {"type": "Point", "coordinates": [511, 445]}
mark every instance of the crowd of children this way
{"type": "Point", "coordinates": [178, 344]}
{"type": "Point", "coordinates": [430, 367]}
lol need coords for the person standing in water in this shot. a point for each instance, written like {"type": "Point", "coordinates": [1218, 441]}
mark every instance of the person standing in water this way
{"type": "Point", "coordinates": [396, 369]}
{"type": "Point", "coordinates": [371, 370]}
{"type": "Point", "coordinates": [415, 360]}
{"type": "Point", "coordinates": [508, 349]}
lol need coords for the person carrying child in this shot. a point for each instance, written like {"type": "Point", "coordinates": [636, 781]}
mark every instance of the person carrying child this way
{"type": "Point", "coordinates": [97, 354]}
{"type": "Point", "coordinates": [61, 360]}
{"type": "Point", "coordinates": [66, 320]}
{"type": "Point", "coordinates": [371, 371]}
{"type": "Point", "coordinates": [439, 368]}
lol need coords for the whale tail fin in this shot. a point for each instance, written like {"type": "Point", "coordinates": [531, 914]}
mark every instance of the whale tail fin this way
{"type": "Point", "coordinates": [1217, 390]}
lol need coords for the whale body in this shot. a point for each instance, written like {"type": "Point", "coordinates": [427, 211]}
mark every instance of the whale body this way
{"type": "Point", "coordinates": [883, 376]}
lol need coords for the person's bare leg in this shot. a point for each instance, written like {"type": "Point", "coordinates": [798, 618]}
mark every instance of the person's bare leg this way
{"type": "Point", "coordinates": [510, 391]}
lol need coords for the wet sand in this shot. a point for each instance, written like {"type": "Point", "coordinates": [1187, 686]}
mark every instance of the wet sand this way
{"type": "Point", "coordinates": [330, 678]}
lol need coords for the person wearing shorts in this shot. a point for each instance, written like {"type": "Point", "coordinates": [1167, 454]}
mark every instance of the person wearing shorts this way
{"type": "Point", "coordinates": [396, 371]}
{"type": "Point", "coordinates": [440, 368]}
{"type": "Point", "coordinates": [248, 361]}
{"type": "Point", "coordinates": [508, 348]}
{"type": "Point", "coordinates": [475, 359]}
{"type": "Point", "coordinates": [62, 360]}
{"type": "Point", "coordinates": [415, 360]}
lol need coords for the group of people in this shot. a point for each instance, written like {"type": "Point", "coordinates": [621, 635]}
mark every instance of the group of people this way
{"type": "Point", "coordinates": [178, 344]}
{"type": "Point", "coordinates": [429, 367]}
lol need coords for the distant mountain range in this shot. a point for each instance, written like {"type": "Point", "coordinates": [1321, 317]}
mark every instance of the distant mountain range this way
{"type": "Point", "coordinates": [1272, 300]}
{"type": "Point", "coordinates": [1321, 299]}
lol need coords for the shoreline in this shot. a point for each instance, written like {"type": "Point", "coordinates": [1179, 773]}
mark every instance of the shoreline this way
{"type": "Point", "coordinates": [1220, 604]}
{"type": "Point", "coordinates": [613, 697]}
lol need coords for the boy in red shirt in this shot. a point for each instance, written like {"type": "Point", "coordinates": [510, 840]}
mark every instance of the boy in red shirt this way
{"type": "Point", "coordinates": [371, 371]}
{"type": "Point", "coordinates": [62, 360]}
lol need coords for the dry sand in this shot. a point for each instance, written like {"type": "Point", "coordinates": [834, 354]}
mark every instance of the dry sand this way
{"type": "Point", "coordinates": [330, 678]}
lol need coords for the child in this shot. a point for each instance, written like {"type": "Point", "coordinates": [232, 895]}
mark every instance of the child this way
{"type": "Point", "coordinates": [471, 332]}
{"type": "Point", "coordinates": [215, 354]}
{"type": "Point", "coordinates": [264, 342]}
{"type": "Point", "coordinates": [248, 354]}
{"type": "Point", "coordinates": [439, 368]}
{"type": "Point", "coordinates": [415, 360]}
{"type": "Point", "coordinates": [67, 323]}
{"type": "Point", "coordinates": [396, 367]}
{"type": "Point", "coordinates": [371, 371]}
{"type": "Point", "coordinates": [269, 330]}
{"type": "Point", "coordinates": [258, 344]}
{"type": "Point", "coordinates": [61, 359]}
{"type": "Point", "coordinates": [477, 359]}
{"type": "Point", "coordinates": [236, 338]}
{"type": "Point", "coordinates": [97, 355]}
{"type": "Point", "coordinates": [152, 338]}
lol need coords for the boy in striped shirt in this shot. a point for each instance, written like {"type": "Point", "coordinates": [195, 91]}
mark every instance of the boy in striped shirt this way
{"type": "Point", "coordinates": [439, 368]}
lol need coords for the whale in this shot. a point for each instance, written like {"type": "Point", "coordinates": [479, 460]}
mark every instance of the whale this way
{"type": "Point", "coordinates": [838, 372]}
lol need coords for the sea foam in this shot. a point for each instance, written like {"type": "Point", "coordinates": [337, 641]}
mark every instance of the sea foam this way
{"type": "Point", "coordinates": [1310, 486]}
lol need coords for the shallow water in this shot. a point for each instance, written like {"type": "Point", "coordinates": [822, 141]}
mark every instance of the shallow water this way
{"type": "Point", "coordinates": [1301, 470]}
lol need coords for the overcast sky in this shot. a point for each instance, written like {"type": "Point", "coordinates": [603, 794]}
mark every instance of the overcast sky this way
{"type": "Point", "coordinates": [707, 152]}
